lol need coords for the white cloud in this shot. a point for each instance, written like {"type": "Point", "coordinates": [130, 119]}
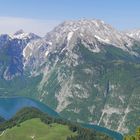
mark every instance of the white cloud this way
{"type": "Point", "coordinates": [11, 24]}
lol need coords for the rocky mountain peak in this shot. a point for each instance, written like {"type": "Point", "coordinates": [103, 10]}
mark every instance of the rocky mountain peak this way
{"type": "Point", "coordinates": [134, 34]}
{"type": "Point", "coordinates": [24, 35]}
{"type": "Point", "coordinates": [91, 31]}
{"type": "Point", "coordinates": [19, 32]}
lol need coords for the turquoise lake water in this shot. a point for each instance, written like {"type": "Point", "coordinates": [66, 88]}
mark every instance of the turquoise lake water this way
{"type": "Point", "coordinates": [111, 133]}
{"type": "Point", "coordinates": [9, 106]}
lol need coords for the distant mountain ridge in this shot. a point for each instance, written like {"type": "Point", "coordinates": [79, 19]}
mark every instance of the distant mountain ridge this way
{"type": "Point", "coordinates": [84, 69]}
{"type": "Point", "coordinates": [134, 34]}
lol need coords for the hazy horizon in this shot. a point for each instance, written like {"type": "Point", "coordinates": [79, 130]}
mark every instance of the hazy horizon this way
{"type": "Point", "coordinates": [41, 16]}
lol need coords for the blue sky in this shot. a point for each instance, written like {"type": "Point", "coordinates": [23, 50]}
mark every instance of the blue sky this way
{"type": "Point", "coordinates": [40, 16]}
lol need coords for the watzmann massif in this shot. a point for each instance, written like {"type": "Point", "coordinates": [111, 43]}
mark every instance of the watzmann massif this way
{"type": "Point", "coordinates": [86, 70]}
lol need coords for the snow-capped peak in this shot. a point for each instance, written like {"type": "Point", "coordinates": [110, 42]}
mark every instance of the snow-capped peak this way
{"type": "Point", "coordinates": [23, 35]}
{"type": "Point", "coordinates": [134, 34]}
{"type": "Point", "coordinates": [90, 31]}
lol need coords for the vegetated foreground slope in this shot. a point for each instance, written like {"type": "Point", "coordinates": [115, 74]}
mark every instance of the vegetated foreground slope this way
{"type": "Point", "coordinates": [35, 129]}
{"type": "Point", "coordinates": [85, 70]}
{"type": "Point", "coordinates": [135, 136]}
{"type": "Point", "coordinates": [30, 123]}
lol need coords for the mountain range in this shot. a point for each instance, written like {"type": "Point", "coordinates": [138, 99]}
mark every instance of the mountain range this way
{"type": "Point", "coordinates": [84, 69]}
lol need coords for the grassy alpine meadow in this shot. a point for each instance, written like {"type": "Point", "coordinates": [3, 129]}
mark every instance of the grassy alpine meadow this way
{"type": "Point", "coordinates": [35, 129]}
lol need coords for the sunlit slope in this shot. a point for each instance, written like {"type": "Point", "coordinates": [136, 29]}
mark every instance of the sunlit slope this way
{"type": "Point", "coordinates": [34, 129]}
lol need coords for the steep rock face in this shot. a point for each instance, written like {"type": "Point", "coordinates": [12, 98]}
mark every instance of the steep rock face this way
{"type": "Point", "coordinates": [90, 73]}
{"type": "Point", "coordinates": [86, 70]}
{"type": "Point", "coordinates": [11, 54]}
{"type": "Point", "coordinates": [95, 88]}
{"type": "Point", "coordinates": [91, 33]}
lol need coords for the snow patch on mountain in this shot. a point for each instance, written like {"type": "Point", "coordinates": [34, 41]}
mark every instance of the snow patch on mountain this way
{"type": "Point", "coordinates": [102, 40]}
{"type": "Point", "coordinates": [134, 34]}
{"type": "Point", "coordinates": [46, 53]}
{"type": "Point", "coordinates": [69, 36]}
{"type": "Point", "coordinates": [24, 36]}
